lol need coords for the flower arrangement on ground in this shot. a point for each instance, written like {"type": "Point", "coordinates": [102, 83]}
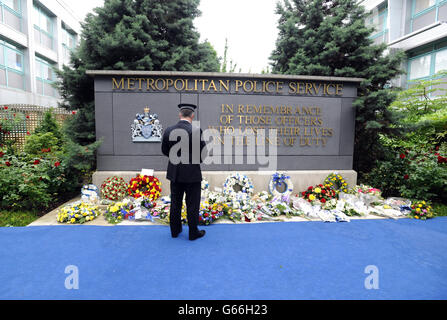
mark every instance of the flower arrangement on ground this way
{"type": "Point", "coordinates": [77, 213]}
{"type": "Point", "coordinates": [365, 189]}
{"type": "Point", "coordinates": [144, 186]}
{"type": "Point", "coordinates": [205, 186]}
{"type": "Point", "coordinates": [209, 213]}
{"type": "Point", "coordinates": [114, 188]}
{"type": "Point", "coordinates": [161, 211]}
{"type": "Point", "coordinates": [421, 210]}
{"type": "Point", "coordinates": [321, 193]}
{"type": "Point", "coordinates": [277, 180]}
{"type": "Point", "coordinates": [116, 212]}
{"type": "Point", "coordinates": [336, 182]}
{"type": "Point", "coordinates": [238, 179]}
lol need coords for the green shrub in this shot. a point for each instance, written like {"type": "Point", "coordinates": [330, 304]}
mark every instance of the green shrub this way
{"type": "Point", "coordinates": [414, 174]}
{"type": "Point", "coordinates": [30, 183]}
{"type": "Point", "coordinates": [40, 143]}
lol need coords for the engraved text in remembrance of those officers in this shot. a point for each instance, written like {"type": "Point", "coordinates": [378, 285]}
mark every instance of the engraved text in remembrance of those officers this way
{"type": "Point", "coordinates": [296, 125]}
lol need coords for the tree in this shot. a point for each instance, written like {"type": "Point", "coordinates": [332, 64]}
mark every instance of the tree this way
{"type": "Point", "coordinates": [329, 38]}
{"type": "Point", "coordinates": [224, 64]}
{"type": "Point", "coordinates": [130, 35]}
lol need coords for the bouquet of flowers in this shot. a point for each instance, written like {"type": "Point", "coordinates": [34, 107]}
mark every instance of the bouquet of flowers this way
{"type": "Point", "coordinates": [209, 213]}
{"type": "Point", "coordinates": [144, 186]}
{"type": "Point", "coordinates": [116, 212]}
{"type": "Point", "coordinates": [421, 210]}
{"type": "Point", "coordinates": [114, 188]}
{"type": "Point", "coordinates": [320, 193]}
{"type": "Point", "coordinates": [336, 182]}
{"type": "Point", "coordinates": [365, 189]}
{"type": "Point", "coordinates": [77, 213]}
{"type": "Point", "coordinates": [161, 211]}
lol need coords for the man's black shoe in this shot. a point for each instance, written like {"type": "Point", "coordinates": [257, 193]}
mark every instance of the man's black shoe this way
{"type": "Point", "coordinates": [198, 235]}
{"type": "Point", "coordinates": [175, 235]}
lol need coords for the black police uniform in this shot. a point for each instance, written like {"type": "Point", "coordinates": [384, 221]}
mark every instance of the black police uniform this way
{"type": "Point", "coordinates": [184, 178]}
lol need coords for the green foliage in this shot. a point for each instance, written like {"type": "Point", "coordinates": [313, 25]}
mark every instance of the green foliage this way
{"type": "Point", "coordinates": [414, 174]}
{"type": "Point", "coordinates": [30, 182]}
{"type": "Point", "coordinates": [17, 218]}
{"type": "Point", "coordinates": [49, 124]}
{"type": "Point", "coordinates": [131, 35]}
{"type": "Point", "coordinates": [329, 38]}
{"type": "Point", "coordinates": [39, 143]}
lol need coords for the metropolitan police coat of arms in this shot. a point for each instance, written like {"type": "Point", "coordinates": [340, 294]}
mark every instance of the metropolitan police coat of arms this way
{"type": "Point", "coordinates": [146, 127]}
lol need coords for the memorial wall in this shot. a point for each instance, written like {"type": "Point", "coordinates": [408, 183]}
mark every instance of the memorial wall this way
{"type": "Point", "coordinates": [313, 117]}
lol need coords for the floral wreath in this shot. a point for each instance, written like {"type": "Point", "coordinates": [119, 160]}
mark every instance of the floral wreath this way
{"type": "Point", "coordinates": [144, 186]}
{"type": "Point", "coordinates": [114, 188]}
{"type": "Point", "coordinates": [238, 179]}
{"type": "Point", "coordinates": [77, 213]}
{"type": "Point", "coordinates": [336, 182]}
{"type": "Point", "coordinates": [279, 179]}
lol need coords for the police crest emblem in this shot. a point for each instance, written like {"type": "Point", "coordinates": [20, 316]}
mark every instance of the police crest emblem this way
{"type": "Point", "coordinates": [146, 127]}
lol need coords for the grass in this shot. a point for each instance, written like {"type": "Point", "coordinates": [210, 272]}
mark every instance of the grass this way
{"type": "Point", "coordinates": [17, 218]}
{"type": "Point", "coordinates": [440, 209]}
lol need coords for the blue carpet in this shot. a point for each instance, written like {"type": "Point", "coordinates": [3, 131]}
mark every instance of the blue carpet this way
{"type": "Point", "coordinates": [306, 260]}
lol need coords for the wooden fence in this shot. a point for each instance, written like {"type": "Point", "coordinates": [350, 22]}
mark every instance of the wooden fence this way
{"type": "Point", "coordinates": [34, 115]}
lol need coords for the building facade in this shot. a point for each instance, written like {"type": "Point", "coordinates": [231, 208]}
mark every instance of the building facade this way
{"type": "Point", "coordinates": [36, 38]}
{"type": "Point", "coordinates": [419, 27]}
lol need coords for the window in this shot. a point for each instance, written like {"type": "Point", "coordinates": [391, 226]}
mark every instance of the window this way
{"type": "Point", "coordinates": [68, 44]}
{"type": "Point", "coordinates": [428, 64]}
{"type": "Point", "coordinates": [421, 5]}
{"type": "Point", "coordinates": [378, 20]}
{"type": "Point", "coordinates": [43, 27]}
{"type": "Point", "coordinates": [12, 73]}
{"type": "Point", "coordinates": [426, 12]}
{"type": "Point", "coordinates": [441, 60]}
{"type": "Point", "coordinates": [45, 77]}
{"type": "Point", "coordinates": [11, 13]}
{"type": "Point", "coordinates": [12, 4]}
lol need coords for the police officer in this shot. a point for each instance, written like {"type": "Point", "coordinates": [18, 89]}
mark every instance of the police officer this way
{"type": "Point", "coordinates": [185, 175]}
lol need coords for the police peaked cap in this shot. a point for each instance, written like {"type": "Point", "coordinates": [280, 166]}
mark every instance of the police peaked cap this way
{"type": "Point", "coordinates": [187, 106]}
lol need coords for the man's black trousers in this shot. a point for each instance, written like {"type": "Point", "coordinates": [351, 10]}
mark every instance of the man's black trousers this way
{"type": "Point", "coordinates": [193, 191]}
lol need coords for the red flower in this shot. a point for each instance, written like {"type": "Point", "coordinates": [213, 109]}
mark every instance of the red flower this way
{"type": "Point", "coordinates": [323, 200]}
{"type": "Point", "coordinates": [303, 193]}
{"type": "Point", "coordinates": [323, 191]}
{"type": "Point", "coordinates": [28, 133]}
{"type": "Point", "coordinates": [36, 161]}
{"type": "Point", "coordinates": [73, 112]}
{"type": "Point", "coordinates": [27, 117]}
{"type": "Point", "coordinates": [1, 154]}
{"type": "Point", "coordinates": [5, 107]}
{"type": "Point", "coordinates": [406, 177]}
{"type": "Point", "coordinates": [402, 156]}
{"type": "Point", "coordinates": [57, 164]}
{"type": "Point", "coordinates": [8, 164]}
{"type": "Point", "coordinates": [437, 148]}
{"type": "Point", "coordinates": [310, 188]}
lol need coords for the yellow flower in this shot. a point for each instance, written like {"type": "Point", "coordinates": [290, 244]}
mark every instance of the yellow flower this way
{"type": "Point", "coordinates": [312, 197]}
{"type": "Point", "coordinates": [423, 202]}
{"type": "Point", "coordinates": [420, 205]}
{"type": "Point", "coordinates": [418, 210]}
{"type": "Point", "coordinates": [416, 217]}
{"type": "Point", "coordinates": [114, 209]}
{"type": "Point", "coordinates": [73, 220]}
{"type": "Point", "coordinates": [317, 190]}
